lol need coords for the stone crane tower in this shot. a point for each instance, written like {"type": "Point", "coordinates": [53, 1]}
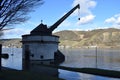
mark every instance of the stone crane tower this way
{"type": "Point", "coordinates": [40, 46]}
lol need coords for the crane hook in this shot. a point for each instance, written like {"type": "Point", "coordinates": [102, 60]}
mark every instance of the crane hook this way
{"type": "Point", "coordinates": [79, 13]}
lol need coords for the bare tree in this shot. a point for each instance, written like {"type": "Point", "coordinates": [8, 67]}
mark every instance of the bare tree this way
{"type": "Point", "coordinates": [15, 11]}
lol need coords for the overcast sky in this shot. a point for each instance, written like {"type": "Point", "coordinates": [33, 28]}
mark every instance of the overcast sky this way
{"type": "Point", "coordinates": [94, 14]}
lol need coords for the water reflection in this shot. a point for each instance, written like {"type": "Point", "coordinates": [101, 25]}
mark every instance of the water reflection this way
{"type": "Point", "coordinates": [15, 58]}
{"type": "Point", "coordinates": [92, 77]}
{"type": "Point", "coordinates": [106, 59]}
{"type": "Point", "coordinates": [69, 75]}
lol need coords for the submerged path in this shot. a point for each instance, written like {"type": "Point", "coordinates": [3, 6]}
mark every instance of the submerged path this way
{"type": "Point", "coordinates": [94, 71]}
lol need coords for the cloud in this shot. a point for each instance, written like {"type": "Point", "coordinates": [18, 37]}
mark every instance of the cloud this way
{"type": "Point", "coordinates": [86, 19]}
{"type": "Point", "coordinates": [110, 20]}
{"type": "Point", "coordinates": [85, 6]}
{"type": "Point", "coordinates": [85, 11]}
{"type": "Point", "coordinates": [115, 20]}
{"type": "Point", "coordinates": [66, 23]}
{"type": "Point", "coordinates": [15, 33]}
{"type": "Point", "coordinates": [118, 20]}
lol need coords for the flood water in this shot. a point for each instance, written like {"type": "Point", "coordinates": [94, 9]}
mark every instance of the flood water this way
{"type": "Point", "coordinates": [95, 58]}
{"type": "Point", "coordinates": [90, 58]}
{"type": "Point", "coordinates": [78, 58]}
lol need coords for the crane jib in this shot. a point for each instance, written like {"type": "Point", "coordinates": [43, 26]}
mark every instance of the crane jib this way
{"type": "Point", "coordinates": [54, 26]}
{"type": "Point", "coordinates": [42, 29]}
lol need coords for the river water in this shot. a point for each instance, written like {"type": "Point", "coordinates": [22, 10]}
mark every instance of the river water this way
{"type": "Point", "coordinates": [78, 58]}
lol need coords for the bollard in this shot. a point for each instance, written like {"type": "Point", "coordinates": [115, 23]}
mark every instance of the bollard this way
{"type": "Point", "coordinates": [27, 58]}
{"type": "Point", "coordinates": [4, 55]}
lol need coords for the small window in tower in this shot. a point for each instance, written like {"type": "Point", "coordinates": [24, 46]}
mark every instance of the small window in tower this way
{"type": "Point", "coordinates": [32, 55]}
{"type": "Point", "coordinates": [41, 56]}
{"type": "Point", "coordinates": [41, 62]}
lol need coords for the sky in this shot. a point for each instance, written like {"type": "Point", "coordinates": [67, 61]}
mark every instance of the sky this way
{"type": "Point", "coordinates": [94, 14]}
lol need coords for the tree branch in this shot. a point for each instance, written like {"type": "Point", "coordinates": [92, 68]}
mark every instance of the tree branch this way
{"type": "Point", "coordinates": [15, 11]}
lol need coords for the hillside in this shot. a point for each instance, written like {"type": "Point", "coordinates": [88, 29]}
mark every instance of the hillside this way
{"type": "Point", "coordinates": [100, 37]}
{"type": "Point", "coordinates": [11, 42]}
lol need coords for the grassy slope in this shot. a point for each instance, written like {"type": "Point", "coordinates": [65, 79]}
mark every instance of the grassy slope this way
{"type": "Point", "coordinates": [100, 37]}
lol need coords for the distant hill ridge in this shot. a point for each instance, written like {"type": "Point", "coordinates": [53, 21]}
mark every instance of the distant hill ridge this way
{"type": "Point", "coordinates": [14, 42]}
{"type": "Point", "coordinates": [98, 37]}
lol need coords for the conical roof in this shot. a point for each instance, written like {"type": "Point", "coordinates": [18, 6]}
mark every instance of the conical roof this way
{"type": "Point", "coordinates": [40, 30]}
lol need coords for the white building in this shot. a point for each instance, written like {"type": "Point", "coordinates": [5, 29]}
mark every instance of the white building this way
{"type": "Point", "coordinates": [40, 45]}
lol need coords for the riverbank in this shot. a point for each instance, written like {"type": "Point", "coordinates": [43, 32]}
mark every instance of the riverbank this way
{"type": "Point", "coordinates": [24, 75]}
